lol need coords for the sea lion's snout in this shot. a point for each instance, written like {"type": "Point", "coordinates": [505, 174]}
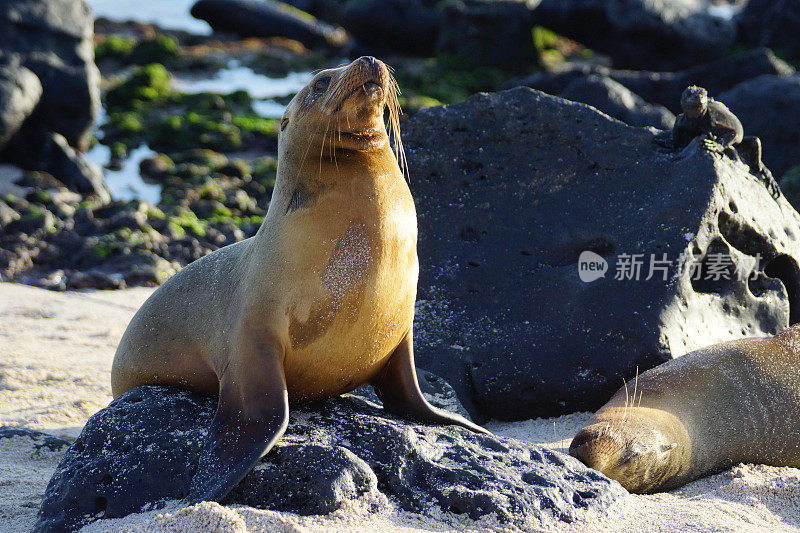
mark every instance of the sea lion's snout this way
{"type": "Point", "coordinates": [634, 456]}
{"type": "Point", "coordinates": [369, 77]}
{"type": "Point", "coordinates": [595, 447]}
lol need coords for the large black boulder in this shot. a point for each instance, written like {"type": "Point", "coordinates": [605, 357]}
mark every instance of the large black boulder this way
{"type": "Point", "coordinates": [512, 187]}
{"type": "Point", "coordinates": [266, 18]}
{"type": "Point", "coordinates": [490, 33]}
{"type": "Point", "coordinates": [20, 91]}
{"type": "Point", "coordinates": [773, 24]}
{"type": "Point", "coordinates": [393, 26]}
{"type": "Point", "coordinates": [142, 450]}
{"type": "Point", "coordinates": [665, 88]}
{"type": "Point", "coordinates": [53, 38]}
{"type": "Point", "coordinates": [769, 107]}
{"type": "Point", "coordinates": [642, 33]}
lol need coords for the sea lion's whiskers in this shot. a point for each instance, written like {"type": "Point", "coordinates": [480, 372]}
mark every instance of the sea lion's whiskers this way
{"type": "Point", "coordinates": [393, 105]}
{"type": "Point", "coordinates": [625, 410]}
{"type": "Point", "coordinates": [322, 147]}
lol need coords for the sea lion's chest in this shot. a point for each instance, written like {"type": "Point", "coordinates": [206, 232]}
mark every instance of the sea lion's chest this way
{"type": "Point", "coordinates": [352, 295]}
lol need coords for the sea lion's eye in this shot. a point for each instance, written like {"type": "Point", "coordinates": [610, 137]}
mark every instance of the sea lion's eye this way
{"type": "Point", "coordinates": [284, 123]}
{"type": "Point", "coordinates": [321, 84]}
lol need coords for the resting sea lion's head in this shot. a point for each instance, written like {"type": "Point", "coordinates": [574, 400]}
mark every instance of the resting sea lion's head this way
{"type": "Point", "coordinates": [639, 447]}
{"type": "Point", "coordinates": [342, 109]}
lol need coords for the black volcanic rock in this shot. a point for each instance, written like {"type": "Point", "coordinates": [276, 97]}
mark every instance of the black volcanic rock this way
{"type": "Point", "coordinates": [665, 88]}
{"type": "Point", "coordinates": [640, 33]}
{"type": "Point", "coordinates": [393, 26]}
{"type": "Point", "coordinates": [490, 33]}
{"type": "Point", "coordinates": [266, 18]}
{"type": "Point", "coordinates": [613, 99]}
{"type": "Point", "coordinates": [20, 91]}
{"type": "Point", "coordinates": [773, 24]}
{"type": "Point", "coordinates": [143, 449]}
{"type": "Point", "coordinates": [769, 107]}
{"type": "Point", "coordinates": [511, 188]}
{"type": "Point", "coordinates": [53, 39]}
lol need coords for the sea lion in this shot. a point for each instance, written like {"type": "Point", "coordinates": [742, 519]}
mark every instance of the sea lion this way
{"type": "Point", "coordinates": [319, 302]}
{"type": "Point", "coordinates": [721, 131]}
{"type": "Point", "coordinates": [730, 403]}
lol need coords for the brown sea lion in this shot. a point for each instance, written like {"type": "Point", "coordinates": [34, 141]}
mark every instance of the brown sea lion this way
{"type": "Point", "coordinates": [319, 302]}
{"type": "Point", "coordinates": [734, 402]}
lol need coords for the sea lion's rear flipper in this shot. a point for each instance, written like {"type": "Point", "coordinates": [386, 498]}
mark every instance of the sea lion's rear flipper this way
{"type": "Point", "coordinates": [252, 415]}
{"type": "Point", "coordinates": [398, 389]}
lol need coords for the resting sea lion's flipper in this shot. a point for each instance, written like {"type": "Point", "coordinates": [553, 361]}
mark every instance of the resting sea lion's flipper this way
{"type": "Point", "coordinates": [399, 391]}
{"type": "Point", "coordinates": [252, 415]}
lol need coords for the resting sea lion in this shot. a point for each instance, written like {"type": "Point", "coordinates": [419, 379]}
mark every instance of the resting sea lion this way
{"type": "Point", "coordinates": [319, 302]}
{"type": "Point", "coordinates": [734, 402]}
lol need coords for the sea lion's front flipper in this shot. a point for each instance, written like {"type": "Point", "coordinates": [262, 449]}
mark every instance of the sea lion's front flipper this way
{"type": "Point", "coordinates": [252, 415]}
{"type": "Point", "coordinates": [399, 391]}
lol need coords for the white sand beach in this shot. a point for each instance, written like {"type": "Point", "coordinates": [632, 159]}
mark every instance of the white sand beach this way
{"type": "Point", "coordinates": [55, 359]}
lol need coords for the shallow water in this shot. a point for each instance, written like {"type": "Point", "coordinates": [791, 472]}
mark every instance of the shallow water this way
{"type": "Point", "coordinates": [126, 183]}
{"type": "Point", "coordinates": [171, 14]}
{"type": "Point", "coordinates": [239, 78]}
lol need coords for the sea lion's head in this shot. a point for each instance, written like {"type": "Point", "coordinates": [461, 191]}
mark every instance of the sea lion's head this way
{"type": "Point", "coordinates": [342, 109]}
{"type": "Point", "coordinates": [642, 448]}
{"type": "Point", "coordinates": [694, 101]}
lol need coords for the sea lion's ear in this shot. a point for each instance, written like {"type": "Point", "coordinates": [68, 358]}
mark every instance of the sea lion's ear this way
{"type": "Point", "coordinates": [284, 123]}
{"type": "Point", "coordinates": [252, 414]}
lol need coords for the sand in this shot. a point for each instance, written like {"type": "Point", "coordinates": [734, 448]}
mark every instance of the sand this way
{"type": "Point", "coordinates": [55, 359]}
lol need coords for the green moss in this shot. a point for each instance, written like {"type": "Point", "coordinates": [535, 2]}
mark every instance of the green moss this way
{"type": "Point", "coordinates": [256, 124]}
{"type": "Point", "coordinates": [446, 79]}
{"type": "Point", "coordinates": [122, 240]}
{"type": "Point", "coordinates": [119, 151]}
{"type": "Point", "coordinates": [201, 156]}
{"type": "Point", "coordinates": [128, 50]}
{"type": "Point", "coordinates": [264, 171]}
{"type": "Point", "coordinates": [154, 213]}
{"type": "Point", "coordinates": [35, 216]}
{"type": "Point", "coordinates": [184, 220]}
{"type": "Point", "coordinates": [211, 190]}
{"type": "Point", "coordinates": [238, 221]}
{"type": "Point", "coordinates": [158, 49]}
{"type": "Point", "coordinates": [114, 47]}
{"type": "Point", "coordinates": [40, 197]}
{"type": "Point", "coordinates": [150, 83]}
{"type": "Point", "coordinates": [544, 39]}
{"type": "Point", "coordinates": [145, 109]}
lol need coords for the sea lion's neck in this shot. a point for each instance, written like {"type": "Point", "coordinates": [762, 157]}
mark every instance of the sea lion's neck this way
{"type": "Point", "coordinates": [331, 168]}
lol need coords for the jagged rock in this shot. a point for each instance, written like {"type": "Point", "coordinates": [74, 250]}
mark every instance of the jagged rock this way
{"type": "Point", "coordinates": [52, 154]}
{"type": "Point", "coordinates": [20, 91]}
{"type": "Point", "coordinates": [512, 187]}
{"type": "Point", "coordinates": [143, 448]}
{"type": "Point", "coordinates": [613, 99]}
{"type": "Point", "coordinates": [265, 18]}
{"type": "Point", "coordinates": [769, 107]}
{"type": "Point", "coordinates": [642, 33]}
{"type": "Point", "coordinates": [665, 88]}
{"type": "Point", "coordinates": [773, 24]}
{"type": "Point", "coordinates": [53, 38]}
